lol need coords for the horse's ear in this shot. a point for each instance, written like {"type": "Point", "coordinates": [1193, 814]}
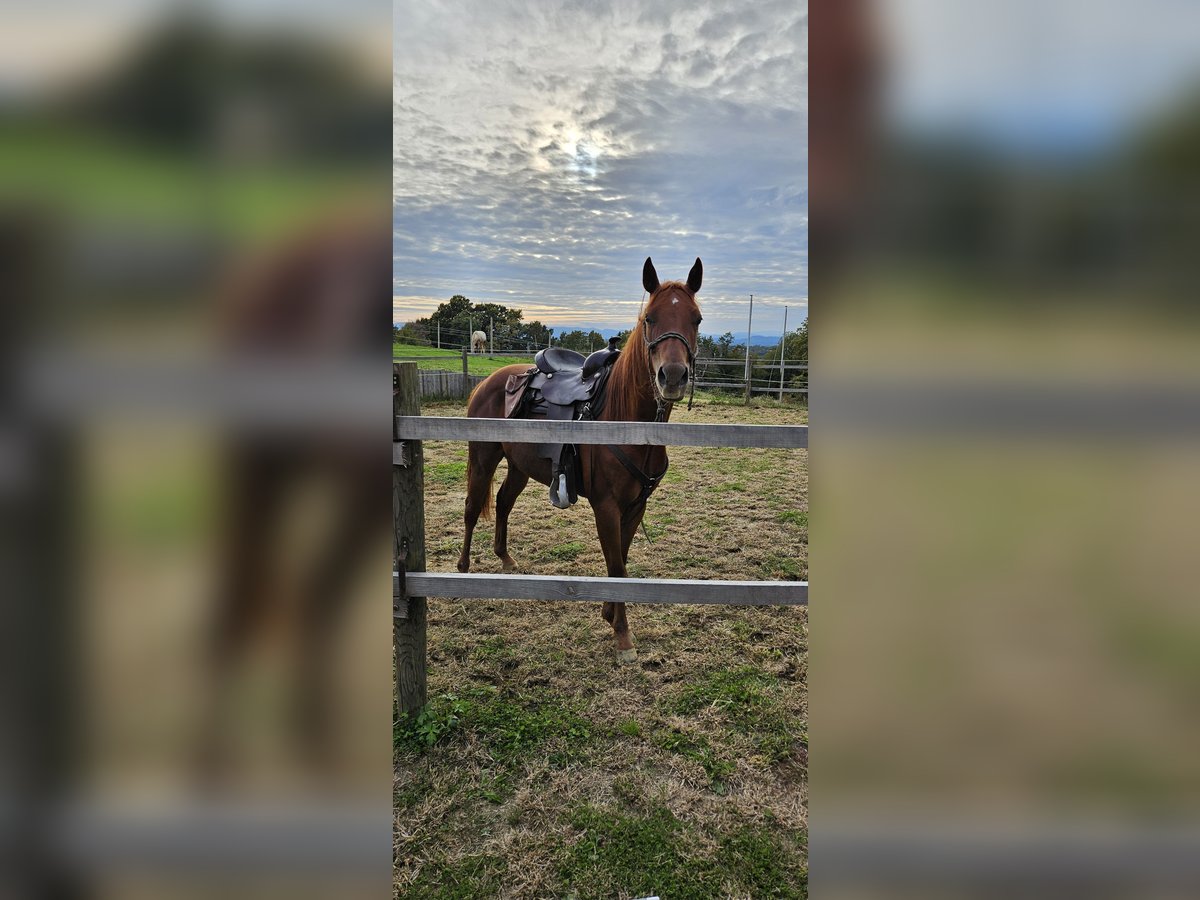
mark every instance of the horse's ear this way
{"type": "Point", "coordinates": [695, 276]}
{"type": "Point", "coordinates": [649, 277]}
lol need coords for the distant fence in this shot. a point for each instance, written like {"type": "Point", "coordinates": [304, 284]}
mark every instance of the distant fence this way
{"type": "Point", "coordinates": [438, 385]}
{"type": "Point", "coordinates": [411, 584]}
{"type": "Point", "coordinates": [443, 384]}
{"type": "Point", "coordinates": [765, 377]}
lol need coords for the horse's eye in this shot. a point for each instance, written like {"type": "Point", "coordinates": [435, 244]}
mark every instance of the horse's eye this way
{"type": "Point", "coordinates": [649, 321]}
{"type": "Point", "coordinates": [699, 319]}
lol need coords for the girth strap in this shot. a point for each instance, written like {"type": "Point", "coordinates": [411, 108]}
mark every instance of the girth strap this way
{"type": "Point", "coordinates": [648, 482]}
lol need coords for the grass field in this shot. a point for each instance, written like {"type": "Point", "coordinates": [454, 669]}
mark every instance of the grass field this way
{"type": "Point", "coordinates": [430, 358]}
{"type": "Point", "coordinates": [541, 767]}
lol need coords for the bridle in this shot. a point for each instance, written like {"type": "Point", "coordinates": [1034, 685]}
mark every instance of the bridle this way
{"type": "Point", "coordinates": [650, 482]}
{"type": "Point", "coordinates": [650, 345]}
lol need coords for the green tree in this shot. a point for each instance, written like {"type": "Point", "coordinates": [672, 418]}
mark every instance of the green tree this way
{"type": "Point", "coordinates": [720, 348]}
{"type": "Point", "coordinates": [795, 351]}
{"type": "Point", "coordinates": [583, 341]}
{"type": "Point", "coordinates": [725, 346]}
{"type": "Point", "coordinates": [531, 336]}
{"type": "Point", "coordinates": [411, 333]}
{"type": "Point", "coordinates": [454, 321]}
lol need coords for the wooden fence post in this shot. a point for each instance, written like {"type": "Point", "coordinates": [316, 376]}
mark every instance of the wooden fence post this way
{"type": "Point", "coordinates": [466, 379]}
{"type": "Point", "coordinates": [408, 515]}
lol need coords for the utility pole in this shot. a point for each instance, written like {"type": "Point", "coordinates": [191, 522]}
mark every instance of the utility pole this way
{"type": "Point", "coordinates": [782, 352]}
{"type": "Point", "coordinates": [439, 335]}
{"type": "Point", "coordinates": [749, 325]}
{"type": "Point", "coordinates": [471, 333]}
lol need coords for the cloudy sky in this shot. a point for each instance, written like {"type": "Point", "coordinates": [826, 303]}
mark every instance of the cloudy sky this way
{"type": "Point", "coordinates": [543, 149]}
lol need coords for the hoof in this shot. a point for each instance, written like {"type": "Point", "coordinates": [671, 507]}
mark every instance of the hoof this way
{"type": "Point", "coordinates": [628, 656]}
{"type": "Point", "coordinates": [508, 566]}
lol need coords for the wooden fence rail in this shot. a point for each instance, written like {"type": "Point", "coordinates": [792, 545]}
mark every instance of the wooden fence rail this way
{"type": "Point", "coordinates": [411, 584]}
{"type": "Point", "coordinates": [701, 362]}
{"type": "Point", "coordinates": [539, 431]}
{"type": "Point", "coordinates": [740, 386]}
{"type": "Point", "coordinates": [616, 590]}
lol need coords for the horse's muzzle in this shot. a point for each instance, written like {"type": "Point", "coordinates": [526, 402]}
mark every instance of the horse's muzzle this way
{"type": "Point", "coordinates": [672, 381]}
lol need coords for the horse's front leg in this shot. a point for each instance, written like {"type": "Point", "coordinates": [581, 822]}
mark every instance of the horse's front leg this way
{"type": "Point", "coordinates": [608, 527]}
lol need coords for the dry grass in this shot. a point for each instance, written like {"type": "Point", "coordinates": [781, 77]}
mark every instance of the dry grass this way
{"type": "Point", "coordinates": [542, 767]}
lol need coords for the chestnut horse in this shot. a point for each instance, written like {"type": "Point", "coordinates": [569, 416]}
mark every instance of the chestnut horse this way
{"type": "Point", "coordinates": [651, 374]}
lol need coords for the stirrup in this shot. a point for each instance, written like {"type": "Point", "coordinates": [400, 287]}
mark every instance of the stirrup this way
{"type": "Point", "coordinates": [560, 496]}
{"type": "Point", "coordinates": [562, 482]}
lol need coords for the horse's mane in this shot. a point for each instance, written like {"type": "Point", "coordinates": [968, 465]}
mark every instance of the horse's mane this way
{"type": "Point", "coordinates": [630, 382]}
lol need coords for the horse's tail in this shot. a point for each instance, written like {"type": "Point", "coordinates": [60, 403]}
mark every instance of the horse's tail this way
{"type": "Point", "coordinates": [473, 468]}
{"type": "Point", "coordinates": [473, 462]}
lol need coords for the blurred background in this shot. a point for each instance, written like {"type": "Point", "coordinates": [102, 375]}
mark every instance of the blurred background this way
{"type": "Point", "coordinates": [195, 280]}
{"type": "Point", "coordinates": [1004, 681]}
{"type": "Point", "coordinates": [1005, 673]}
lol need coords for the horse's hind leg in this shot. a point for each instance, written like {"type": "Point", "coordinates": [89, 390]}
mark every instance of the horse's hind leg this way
{"type": "Point", "coordinates": [482, 459]}
{"type": "Point", "coordinates": [514, 483]}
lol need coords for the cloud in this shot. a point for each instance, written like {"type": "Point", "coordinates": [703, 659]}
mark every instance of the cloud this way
{"type": "Point", "coordinates": [543, 150]}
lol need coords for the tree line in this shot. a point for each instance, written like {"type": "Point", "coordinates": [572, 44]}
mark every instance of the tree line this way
{"type": "Point", "coordinates": [453, 323]}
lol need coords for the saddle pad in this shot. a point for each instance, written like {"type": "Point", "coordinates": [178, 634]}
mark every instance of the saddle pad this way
{"type": "Point", "coordinates": [514, 392]}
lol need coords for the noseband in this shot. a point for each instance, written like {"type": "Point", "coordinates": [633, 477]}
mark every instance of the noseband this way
{"type": "Point", "coordinates": [650, 345]}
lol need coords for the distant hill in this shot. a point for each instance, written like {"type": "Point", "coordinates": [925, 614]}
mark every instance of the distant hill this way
{"type": "Point", "coordinates": [563, 329]}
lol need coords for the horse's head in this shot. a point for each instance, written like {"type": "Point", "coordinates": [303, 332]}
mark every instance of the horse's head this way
{"type": "Point", "coordinates": [670, 326]}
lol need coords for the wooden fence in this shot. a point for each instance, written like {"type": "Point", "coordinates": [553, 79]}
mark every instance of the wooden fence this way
{"type": "Point", "coordinates": [411, 584]}
{"type": "Point", "coordinates": [765, 377]}
{"type": "Point", "coordinates": [438, 385]}
{"type": "Point", "coordinates": [444, 384]}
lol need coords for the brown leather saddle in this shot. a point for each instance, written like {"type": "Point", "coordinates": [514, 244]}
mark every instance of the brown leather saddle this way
{"type": "Point", "coordinates": [563, 385]}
